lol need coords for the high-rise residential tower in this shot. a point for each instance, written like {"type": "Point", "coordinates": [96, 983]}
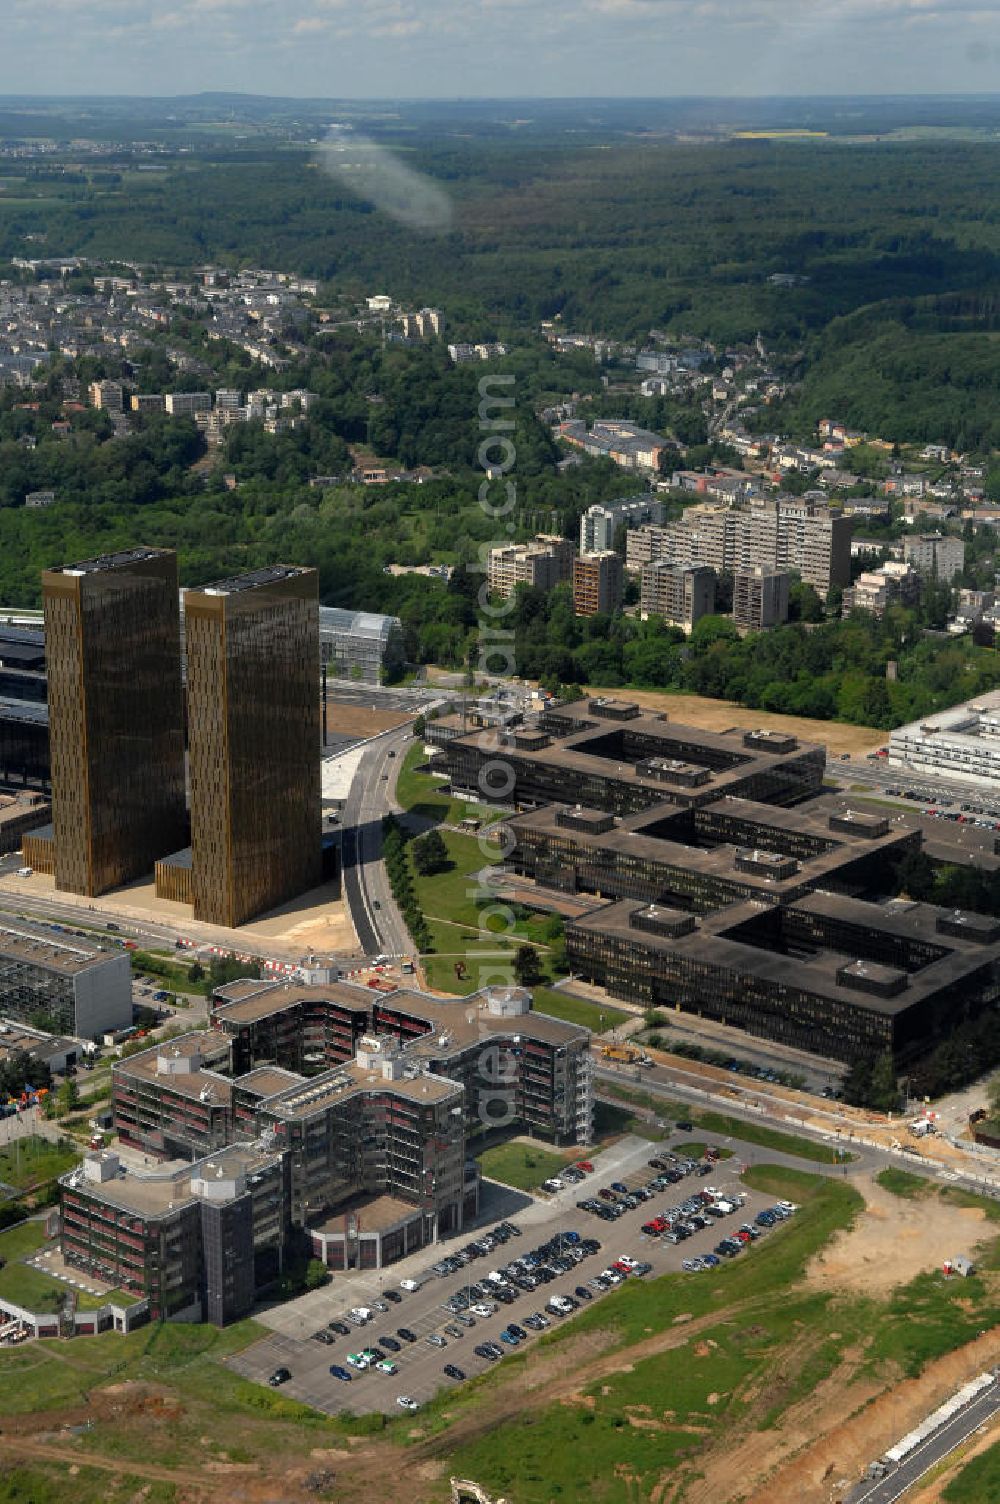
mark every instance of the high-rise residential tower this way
{"type": "Point", "coordinates": [116, 732]}
{"type": "Point", "coordinates": [254, 741]}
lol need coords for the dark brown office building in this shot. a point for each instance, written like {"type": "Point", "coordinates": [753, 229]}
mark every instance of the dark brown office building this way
{"type": "Point", "coordinates": [112, 633]}
{"type": "Point", "coordinates": [254, 741]}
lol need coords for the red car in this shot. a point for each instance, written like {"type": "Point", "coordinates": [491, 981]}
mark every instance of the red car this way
{"type": "Point", "coordinates": [585, 1166]}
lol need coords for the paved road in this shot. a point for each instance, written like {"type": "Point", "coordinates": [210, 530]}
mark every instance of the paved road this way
{"type": "Point", "coordinates": [881, 774]}
{"type": "Point", "coordinates": [367, 892]}
{"type": "Point", "coordinates": [673, 1085]}
{"type": "Point", "coordinates": [930, 1452]}
{"type": "Point", "coordinates": [421, 1363]}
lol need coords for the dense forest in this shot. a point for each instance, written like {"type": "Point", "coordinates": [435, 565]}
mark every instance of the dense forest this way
{"type": "Point", "coordinates": [886, 315]}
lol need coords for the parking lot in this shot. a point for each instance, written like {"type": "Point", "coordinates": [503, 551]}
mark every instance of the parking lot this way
{"type": "Point", "coordinates": [420, 1363]}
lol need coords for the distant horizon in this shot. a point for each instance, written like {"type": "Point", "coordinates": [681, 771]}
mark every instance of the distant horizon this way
{"type": "Point", "coordinates": [487, 99]}
{"type": "Point", "coordinates": [442, 50]}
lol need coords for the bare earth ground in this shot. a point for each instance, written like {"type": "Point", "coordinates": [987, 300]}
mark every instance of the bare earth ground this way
{"type": "Point", "coordinates": [314, 922]}
{"type": "Point", "coordinates": [719, 715]}
{"type": "Point", "coordinates": [895, 1240]}
{"type": "Point", "coordinates": [359, 721]}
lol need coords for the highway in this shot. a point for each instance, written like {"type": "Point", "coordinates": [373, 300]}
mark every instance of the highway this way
{"type": "Point", "coordinates": [367, 894]}
{"type": "Point", "coordinates": [930, 1452]}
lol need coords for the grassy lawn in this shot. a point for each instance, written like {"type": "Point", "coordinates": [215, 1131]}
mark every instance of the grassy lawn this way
{"type": "Point", "coordinates": [578, 1010]}
{"type": "Point", "coordinates": [902, 1183]}
{"type": "Point", "coordinates": [30, 1288]}
{"type": "Point", "coordinates": [771, 1138]}
{"type": "Point", "coordinates": [979, 1479]}
{"type": "Point", "coordinates": [421, 795]}
{"type": "Point", "coordinates": [453, 894]}
{"type": "Point", "coordinates": [21, 1239]}
{"type": "Point", "coordinates": [695, 1149]}
{"type": "Point", "coordinates": [611, 1122]}
{"type": "Point", "coordinates": [721, 1126]}
{"type": "Point", "coordinates": [165, 970]}
{"type": "Point", "coordinates": [31, 1161]}
{"type": "Point", "coordinates": [524, 1166]}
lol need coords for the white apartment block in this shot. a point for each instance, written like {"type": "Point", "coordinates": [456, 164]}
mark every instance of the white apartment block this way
{"type": "Point", "coordinates": [878, 589]}
{"type": "Point", "coordinates": [600, 523]}
{"type": "Point", "coordinates": [186, 404]}
{"type": "Point", "coordinates": [783, 532]}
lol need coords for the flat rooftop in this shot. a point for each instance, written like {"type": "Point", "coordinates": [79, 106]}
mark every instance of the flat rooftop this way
{"type": "Point", "coordinates": [268, 1081]}
{"type": "Point", "coordinates": [462, 1020]}
{"type": "Point", "coordinates": [106, 563]}
{"type": "Point", "coordinates": [708, 840]}
{"type": "Point", "coordinates": [723, 940]}
{"type": "Point", "coordinates": [185, 1083]}
{"type": "Point", "coordinates": [17, 806]}
{"type": "Point", "coordinates": [38, 947]}
{"type": "Point", "coordinates": [318, 1093]}
{"type": "Point", "coordinates": [374, 1214]}
{"type": "Point", "coordinates": [254, 579]}
{"type": "Point", "coordinates": [612, 742]}
{"type": "Point", "coordinates": [30, 712]}
{"type": "Point", "coordinates": [150, 1195]}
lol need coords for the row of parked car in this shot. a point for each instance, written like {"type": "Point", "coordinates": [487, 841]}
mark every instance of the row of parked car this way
{"type": "Point", "coordinates": [746, 1234]}
{"type": "Point", "coordinates": [614, 1200]}
{"type": "Point", "coordinates": [539, 1266]}
{"type": "Point", "coordinates": [477, 1249]}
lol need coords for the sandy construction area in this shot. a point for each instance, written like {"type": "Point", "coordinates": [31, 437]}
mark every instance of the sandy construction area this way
{"type": "Point", "coordinates": [719, 715]}
{"type": "Point", "coordinates": [360, 721]}
{"type": "Point", "coordinates": [895, 1239]}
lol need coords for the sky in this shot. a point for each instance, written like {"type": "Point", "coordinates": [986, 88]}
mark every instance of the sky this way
{"type": "Point", "coordinates": [499, 48]}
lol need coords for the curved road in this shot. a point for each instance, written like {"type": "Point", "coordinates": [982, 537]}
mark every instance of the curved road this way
{"type": "Point", "coordinates": [377, 921]}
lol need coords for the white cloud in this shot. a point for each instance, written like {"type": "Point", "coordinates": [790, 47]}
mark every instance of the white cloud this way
{"type": "Point", "coordinates": [494, 47]}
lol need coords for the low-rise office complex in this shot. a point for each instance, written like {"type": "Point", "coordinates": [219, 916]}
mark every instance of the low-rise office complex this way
{"type": "Point", "coordinates": [63, 984]}
{"type": "Point", "coordinates": [838, 976]}
{"type": "Point", "coordinates": [961, 744]}
{"type": "Point", "coordinates": [608, 754]}
{"type": "Point", "coordinates": [323, 1115]}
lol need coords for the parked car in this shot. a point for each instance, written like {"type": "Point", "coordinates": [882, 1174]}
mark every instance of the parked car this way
{"type": "Point", "coordinates": [406, 1402]}
{"type": "Point", "coordinates": [279, 1376]}
{"type": "Point", "coordinates": [338, 1372]}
